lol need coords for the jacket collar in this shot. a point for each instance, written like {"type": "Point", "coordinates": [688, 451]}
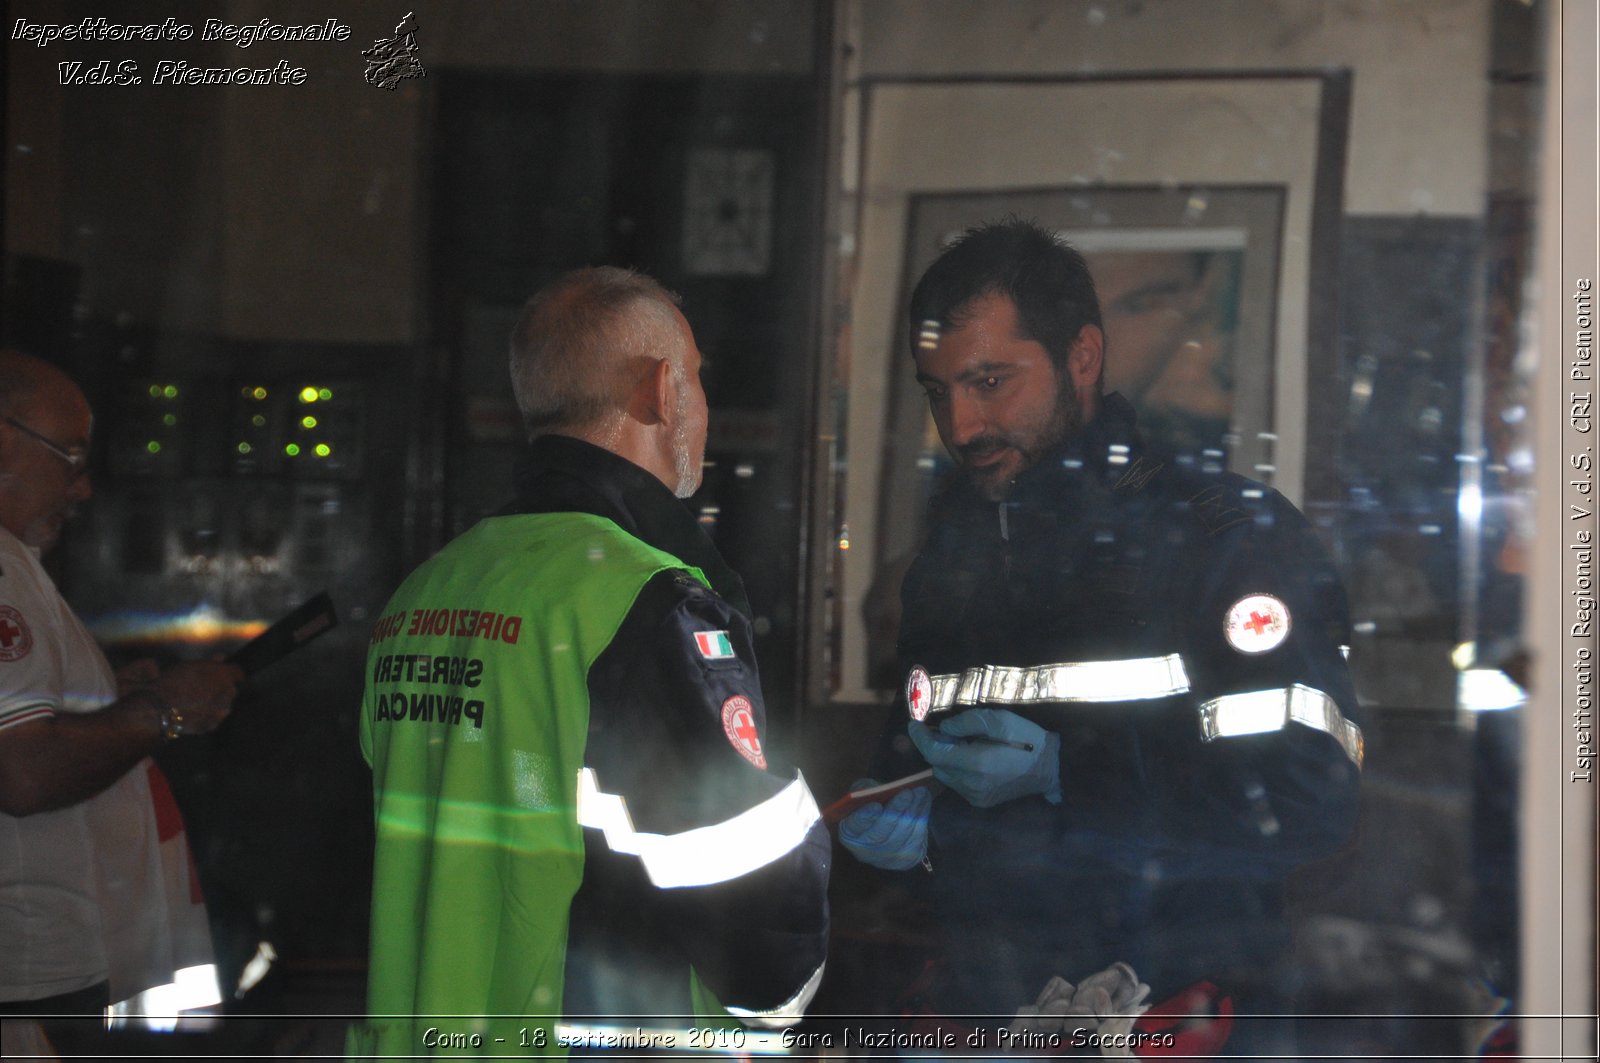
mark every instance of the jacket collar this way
{"type": "Point", "coordinates": [560, 474]}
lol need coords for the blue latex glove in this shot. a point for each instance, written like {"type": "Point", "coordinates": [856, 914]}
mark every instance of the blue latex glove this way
{"type": "Point", "coordinates": [990, 756]}
{"type": "Point", "coordinates": [894, 836]}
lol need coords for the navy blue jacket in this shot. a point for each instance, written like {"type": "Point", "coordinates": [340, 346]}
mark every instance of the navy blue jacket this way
{"type": "Point", "coordinates": [1183, 631]}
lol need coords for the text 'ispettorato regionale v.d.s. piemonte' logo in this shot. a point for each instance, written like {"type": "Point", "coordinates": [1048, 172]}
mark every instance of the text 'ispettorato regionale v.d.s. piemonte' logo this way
{"type": "Point", "coordinates": [387, 62]}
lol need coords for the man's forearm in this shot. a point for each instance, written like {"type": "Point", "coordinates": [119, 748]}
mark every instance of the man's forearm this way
{"type": "Point", "coordinates": [54, 763]}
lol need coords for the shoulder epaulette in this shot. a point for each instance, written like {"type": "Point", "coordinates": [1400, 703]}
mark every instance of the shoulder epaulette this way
{"type": "Point", "coordinates": [1138, 475]}
{"type": "Point", "coordinates": [1217, 508]}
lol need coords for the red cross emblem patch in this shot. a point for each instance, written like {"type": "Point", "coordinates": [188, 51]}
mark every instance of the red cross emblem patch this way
{"type": "Point", "coordinates": [15, 638]}
{"type": "Point", "coordinates": [1256, 623]}
{"type": "Point", "coordinates": [919, 693]}
{"type": "Point", "coordinates": [739, 723]}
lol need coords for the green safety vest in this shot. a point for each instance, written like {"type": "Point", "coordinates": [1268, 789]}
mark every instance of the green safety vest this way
{"type": "Point", "coordinates": [475, 718]}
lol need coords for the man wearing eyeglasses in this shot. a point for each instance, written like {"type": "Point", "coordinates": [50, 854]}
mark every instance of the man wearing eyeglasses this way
{"type": "Point", "coordinates": [82, 893]}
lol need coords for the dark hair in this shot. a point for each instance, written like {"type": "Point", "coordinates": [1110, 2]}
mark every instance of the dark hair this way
{"type": "Point", "coordinates": [1046, 279]}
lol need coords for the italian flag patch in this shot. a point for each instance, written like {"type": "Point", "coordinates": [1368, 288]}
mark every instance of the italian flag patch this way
{"type": "Point", "coordinates": [714, 645]}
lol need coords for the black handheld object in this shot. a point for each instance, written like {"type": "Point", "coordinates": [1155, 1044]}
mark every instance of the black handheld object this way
{"type": "Point", "coordinates": [287, 635]}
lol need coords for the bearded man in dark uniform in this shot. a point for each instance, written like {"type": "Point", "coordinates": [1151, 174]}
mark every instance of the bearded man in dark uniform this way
{"type": "Point", "coordinates": [1127, 674]}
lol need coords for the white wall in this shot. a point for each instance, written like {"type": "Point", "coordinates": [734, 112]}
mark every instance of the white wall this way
{"type": "Point", "coordinates": [1420, 105]}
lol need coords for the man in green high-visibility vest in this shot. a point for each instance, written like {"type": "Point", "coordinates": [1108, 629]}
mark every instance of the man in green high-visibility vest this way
{"type": "Point", "coordinates": [579, 842]}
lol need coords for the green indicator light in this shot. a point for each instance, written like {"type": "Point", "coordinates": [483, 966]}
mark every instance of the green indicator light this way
{"type": "Point", "coordinates": [170, 391]}
{"type": "Point", "coordinates": [155, 391]}
{"type": "Point", "coordinates": [153, 447]}
{"type": "Point", "coordinates": [308, 395]}
{"type": "Point", "coordinates": [258, 393]}
{"type": "Point", "coordinates": [325, 394]}
{"type": "Point", "coordinates": [169, 419]}
{"type": "Point", "coordinates": [323, 450]}
{"type": "Point", "coordinates": [308, 421]}
{"type": "Point", "coordinates": [259, 420]}
{"type": "Point", "coordinates": [244, 448]}
{"type": "Point", "coordinates": [293, 450]}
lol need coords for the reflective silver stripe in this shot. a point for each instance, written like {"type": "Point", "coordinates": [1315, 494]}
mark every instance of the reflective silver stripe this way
{"type": "Point", "coordinates": [752, 839]}
{"type": "Point", "coordinates": [1137, 679]}
{"type": "Point", "coordinates": [1261, 711]}
{"type": "Point", "coordinates": [786, 1014]}
{"type": "Point", "coordinates": [1487, 690]}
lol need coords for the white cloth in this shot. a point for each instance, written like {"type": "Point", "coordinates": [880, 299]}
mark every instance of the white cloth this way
{"type": "Point", "coordinates": [86, 892]}
{"type": "Point", "coordinates": [1107, 1002]}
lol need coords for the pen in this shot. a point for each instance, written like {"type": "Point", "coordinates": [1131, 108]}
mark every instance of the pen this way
{"type": "Point", "coordinates": [1026, 747]}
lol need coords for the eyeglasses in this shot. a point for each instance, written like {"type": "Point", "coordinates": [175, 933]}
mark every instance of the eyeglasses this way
{"type": "Point", "coordinates": [77, 458]}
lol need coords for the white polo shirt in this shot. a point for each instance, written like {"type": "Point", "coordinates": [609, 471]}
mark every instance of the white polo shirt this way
{"type": "Point", "coordinates": [83, 896]}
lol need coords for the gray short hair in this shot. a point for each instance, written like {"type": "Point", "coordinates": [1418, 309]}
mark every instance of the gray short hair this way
{"type": "Point", "coordinates": [577, 345]}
